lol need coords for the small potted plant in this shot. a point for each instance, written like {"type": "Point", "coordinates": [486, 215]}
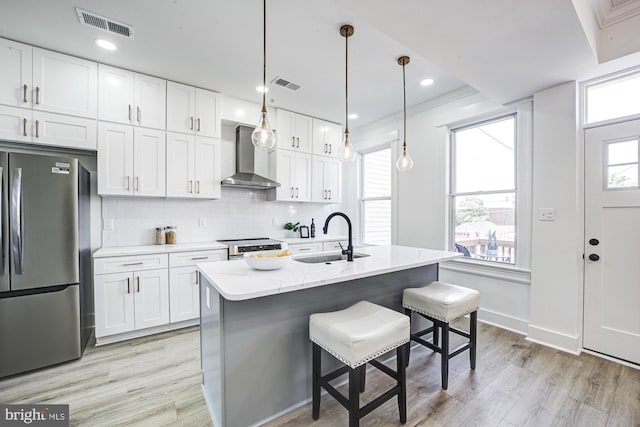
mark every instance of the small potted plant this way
{"type": "Point", "coordinates": [292, 229]}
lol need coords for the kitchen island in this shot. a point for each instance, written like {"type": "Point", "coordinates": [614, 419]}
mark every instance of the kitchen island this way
{"type": "Point", "coordinates": [255, 348]}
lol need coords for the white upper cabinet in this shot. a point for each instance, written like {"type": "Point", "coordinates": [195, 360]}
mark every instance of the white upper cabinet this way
{"type": "Point", "coordinates": [15, 73]}
{"type": "Point", "coordinates": [326, 180]}
{"type": "Point", "coordinates": [294, 131]}
{"type": "Point", "coordinates": [63, 131]}
{"type": "Point", "coordinates": [327, 138]}
{"type": "Point", "coordinates": [15, 124]}
{"type": "Point", "coordinates": [193, 166]}
{"type": "Point", "coordinates": [293, 171]}
{"type": "Point", "coordinates": [64, 84]}
{"type": "Point", "coordinates": [193, 110]}
{"type": "Point", "coordinates": [131, 98]}
{"type": "Point", "coordinates": [131, 161]}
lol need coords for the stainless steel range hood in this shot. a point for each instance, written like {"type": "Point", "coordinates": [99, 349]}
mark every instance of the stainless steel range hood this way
{"type": "Point", "coordinates": [245, 176]}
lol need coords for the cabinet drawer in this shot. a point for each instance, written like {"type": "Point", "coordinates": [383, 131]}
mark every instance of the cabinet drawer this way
{"type": "Point", "coordinates": [183, 259]}
{"type": "Point", "coordinates": [305, 248]}
{"type": "Point", "coordinates": [130, 263]}
{"type": "Point", "coordinates": [334, 246]}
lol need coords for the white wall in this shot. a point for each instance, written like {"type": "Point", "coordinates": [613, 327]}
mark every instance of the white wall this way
{"type": "Point", "coordinates": [239, 213]}
{"type": "Point", "coordinates": [556, 262]}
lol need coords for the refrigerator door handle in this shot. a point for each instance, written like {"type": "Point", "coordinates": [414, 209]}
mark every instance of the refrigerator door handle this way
{"type": "Point", "coordinates": [1, 220]}
{"type": "Point", "coordinates": [17, 221]}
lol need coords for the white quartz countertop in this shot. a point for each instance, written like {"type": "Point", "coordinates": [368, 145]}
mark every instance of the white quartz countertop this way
{"type": "Point", "coordinates": [236, 281]}
{"type": "Point", "coordinates": [156, 249]}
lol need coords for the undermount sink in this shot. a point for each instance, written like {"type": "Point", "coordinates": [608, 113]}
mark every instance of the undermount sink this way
{"type": "Point", "coordinates": [327, 258]}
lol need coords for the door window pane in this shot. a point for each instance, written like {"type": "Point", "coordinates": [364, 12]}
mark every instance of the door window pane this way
{"type": "Point", "coordinates": [622, 176]}
{"type": "Point", "coordinates": [622, 152]}
{"type": "Point", "coordinates": [485, 157]}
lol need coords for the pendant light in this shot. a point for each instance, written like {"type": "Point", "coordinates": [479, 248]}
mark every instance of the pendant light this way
{"type": "Point", "coordinates": [263, 136]}
{"type": "Point", "coordinates": [405, 162]}
{"type": "Point", "coordinates": [347, 152]}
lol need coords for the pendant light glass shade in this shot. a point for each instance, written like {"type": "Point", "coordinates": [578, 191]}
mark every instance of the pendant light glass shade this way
{"type": "Point", "coordinates": [347, 153]}
{"type": "Point", "coordinates": [405, 162]}
{"type": "Point", "coordinates": [263, 136]}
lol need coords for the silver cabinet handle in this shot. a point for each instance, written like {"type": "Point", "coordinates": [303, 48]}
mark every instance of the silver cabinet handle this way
{"type": "Point", "coordinates": [304, 249]}
{"type": "Point", "coordinates": [325, 148]}
{"type": "Point", "coordinates": [292, 193]}
{"type": "Point", "coordinates": [293, 141]}
{"type": "Point", "coordinates": [329, 148]}
{"type": "Point", "coordinates": [128, 183]}
{"type": "Point", "coordinates": [198, 185]}
{"type": "Point", "coordinates": [17, 221]}
{"type": "Point", "coordinates": [24, 93]}
{"type": "Point", "coordinates": [24, 127]}
{"type": "Point", "coordinates": [137, 183]}
{"type": "Point", "coordinates": [37, 128]}
{"type": "Point", "coordinates": [190, 186]}
{"type": "Point", "coordinates": [199, 257]}
{"type": "Point", "coordinates": [192, 123]}
{"type": "Point", "coordinates": [129, 112]}
{"type": "Point", "coordinates": [329, 194]}
{"type": "Point", "coordinates": [138, 283]}
{"type": "Point", "coordinates": [325, 194]}
{"type": "Point", "coordinates": [198, 124]}
{"type": "Point", "coordinates": [1, 219]}
{"type": "Point", "coordinates": [128, 285]}
{"type": "Point", "coordinates": [37, 95]}
{"type": "Point", "coordinates": [132, 263]}
{"type": "Point", "coordinates": [296, 192]}
{"type": "Point", "coordinates": [138, 113]}
{"type": "Point", "coordinates": [196, 282]}
{"type": "Point", "coordinates": [297, 142]}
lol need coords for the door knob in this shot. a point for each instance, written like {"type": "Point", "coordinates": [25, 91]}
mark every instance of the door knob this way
{"type": "Point", "coordinates": [594, 257]}
{"type": "Point", "coordinates": [594, 242]}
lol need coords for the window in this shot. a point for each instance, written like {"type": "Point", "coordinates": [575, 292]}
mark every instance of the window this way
{"type": "Point", "coordinates": [622, 164]}
{"type": "Point", "coordinates": [483, 196]}
{"type": "Point", "coordinates": [613, 98]}
{"type": "Point", "coordinates": [376, 197]}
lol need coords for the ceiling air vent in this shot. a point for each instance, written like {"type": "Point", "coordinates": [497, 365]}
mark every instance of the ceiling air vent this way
{"type": "Point", "coordinates": [109, 25]}
{"type": "Point", "coordinates": [286, 83]}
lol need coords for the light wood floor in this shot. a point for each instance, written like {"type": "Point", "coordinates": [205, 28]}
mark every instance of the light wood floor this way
{"type": "Point", "coordinates": [155, 381]}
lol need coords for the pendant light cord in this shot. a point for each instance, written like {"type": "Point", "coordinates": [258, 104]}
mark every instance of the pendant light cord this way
{"type": "Point", "coordinates": [264, 56]}
{"type": "Point", "coordinates": [346, 83]}
{"type": "Point", "coordinates": [404, 98]}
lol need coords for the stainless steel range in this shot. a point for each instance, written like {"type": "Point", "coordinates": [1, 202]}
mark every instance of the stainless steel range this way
{"type": "Point", "coordinates": [238, 247]}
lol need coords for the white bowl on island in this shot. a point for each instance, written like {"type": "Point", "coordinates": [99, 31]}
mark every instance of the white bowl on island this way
{"type": "Point", "coordinates": [267, 260]}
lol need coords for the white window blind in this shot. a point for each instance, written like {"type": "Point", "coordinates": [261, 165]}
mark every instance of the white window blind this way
{"type": "Point", "coordinates": [376, 197]}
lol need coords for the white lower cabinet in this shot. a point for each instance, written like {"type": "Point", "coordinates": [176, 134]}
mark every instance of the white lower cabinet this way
{"type": "Point", "coordinates": [130, 301]}
{"type": "Point", "coordinates": [334, 246]}
{"type": "Point", "coordinates": [305, 248]}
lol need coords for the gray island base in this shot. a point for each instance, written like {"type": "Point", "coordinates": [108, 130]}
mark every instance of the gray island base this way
{"type": "Point", "coordinates": [256, 353]}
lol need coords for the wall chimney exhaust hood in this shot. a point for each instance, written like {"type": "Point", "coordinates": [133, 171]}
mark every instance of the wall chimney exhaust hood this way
{"type": "Point", "coordinates": [245, 176]}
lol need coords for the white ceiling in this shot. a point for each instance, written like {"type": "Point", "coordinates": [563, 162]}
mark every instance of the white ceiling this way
{"type": "Point", "coordinates": [507, 49]}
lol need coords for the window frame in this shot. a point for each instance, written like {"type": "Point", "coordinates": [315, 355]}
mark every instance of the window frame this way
{"type": "Point", "coordinates": [600, 80]}
{"type": "Point", "coordinates": [363, 199]}
{"type": "Point", "coordinates": [523, 161]}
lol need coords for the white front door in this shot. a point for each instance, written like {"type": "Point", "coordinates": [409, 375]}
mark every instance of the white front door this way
{"type": "Point", "coordinates": [612, 233]}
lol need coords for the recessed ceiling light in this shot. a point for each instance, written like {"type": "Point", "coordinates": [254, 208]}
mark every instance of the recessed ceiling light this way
{"type": "Point", "coordinates": [426, 82]}
{"type": "Point", "coordinates": [106, 44]}
{"type": "Point", "coordinates": [262, 89]}
{"type": "Point", "coordinates": [353, 116]}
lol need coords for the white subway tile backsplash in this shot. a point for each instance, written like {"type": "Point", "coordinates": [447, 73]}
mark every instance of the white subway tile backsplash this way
{"type": "Point", "coordinates": [239, 213]}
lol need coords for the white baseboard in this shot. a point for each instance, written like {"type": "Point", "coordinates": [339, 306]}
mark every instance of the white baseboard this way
{"type": "Point", "coordinates": [503, 321]}
{"type": "Point", "coordinates": [554, 339]}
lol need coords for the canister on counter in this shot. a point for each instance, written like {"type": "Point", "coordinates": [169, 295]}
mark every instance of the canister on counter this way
{"type": "Point", "coordinates": [171, 234]}
{"type": "Point", "coordinates": [161, 238]}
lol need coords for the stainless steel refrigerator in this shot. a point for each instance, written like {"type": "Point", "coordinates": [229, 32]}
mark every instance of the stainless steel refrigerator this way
{"type": "Point", "coordinates": [46, 300]}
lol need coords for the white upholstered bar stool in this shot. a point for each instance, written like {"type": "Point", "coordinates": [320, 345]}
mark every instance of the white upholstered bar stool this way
{"type": "Point", "coordinates": [442, 303]}
{"type": "Point", "coordinates": [356, 336]}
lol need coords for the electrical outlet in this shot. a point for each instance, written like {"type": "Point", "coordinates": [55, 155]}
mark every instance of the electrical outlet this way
{"type": "Point", "coordinates": [547, 214]}
{"type": "Point", "coordinates": [107, 224]}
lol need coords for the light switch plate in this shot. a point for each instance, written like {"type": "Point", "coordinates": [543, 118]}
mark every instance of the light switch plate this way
{"type": "Point", "coordinates": [547, 214]}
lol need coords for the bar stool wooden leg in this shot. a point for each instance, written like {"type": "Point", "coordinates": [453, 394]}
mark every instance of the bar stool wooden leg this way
{"type": "Point", "coordinates": [363, 375]}
{"type": "Point", "coordinates": [435, 333]}
{"type": "Point", "coordinates": [408, 312]}
{"type": "Point", "coordinates": [445, 355]}
{"type": "Point", "coordinates": [316, 381]}
{"type": "Point", "coordinates": [401, 357]}
{"type": "Point", "coordinates": [354, 397]}
{"type": "Point", "coordinates": [473, 332]}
